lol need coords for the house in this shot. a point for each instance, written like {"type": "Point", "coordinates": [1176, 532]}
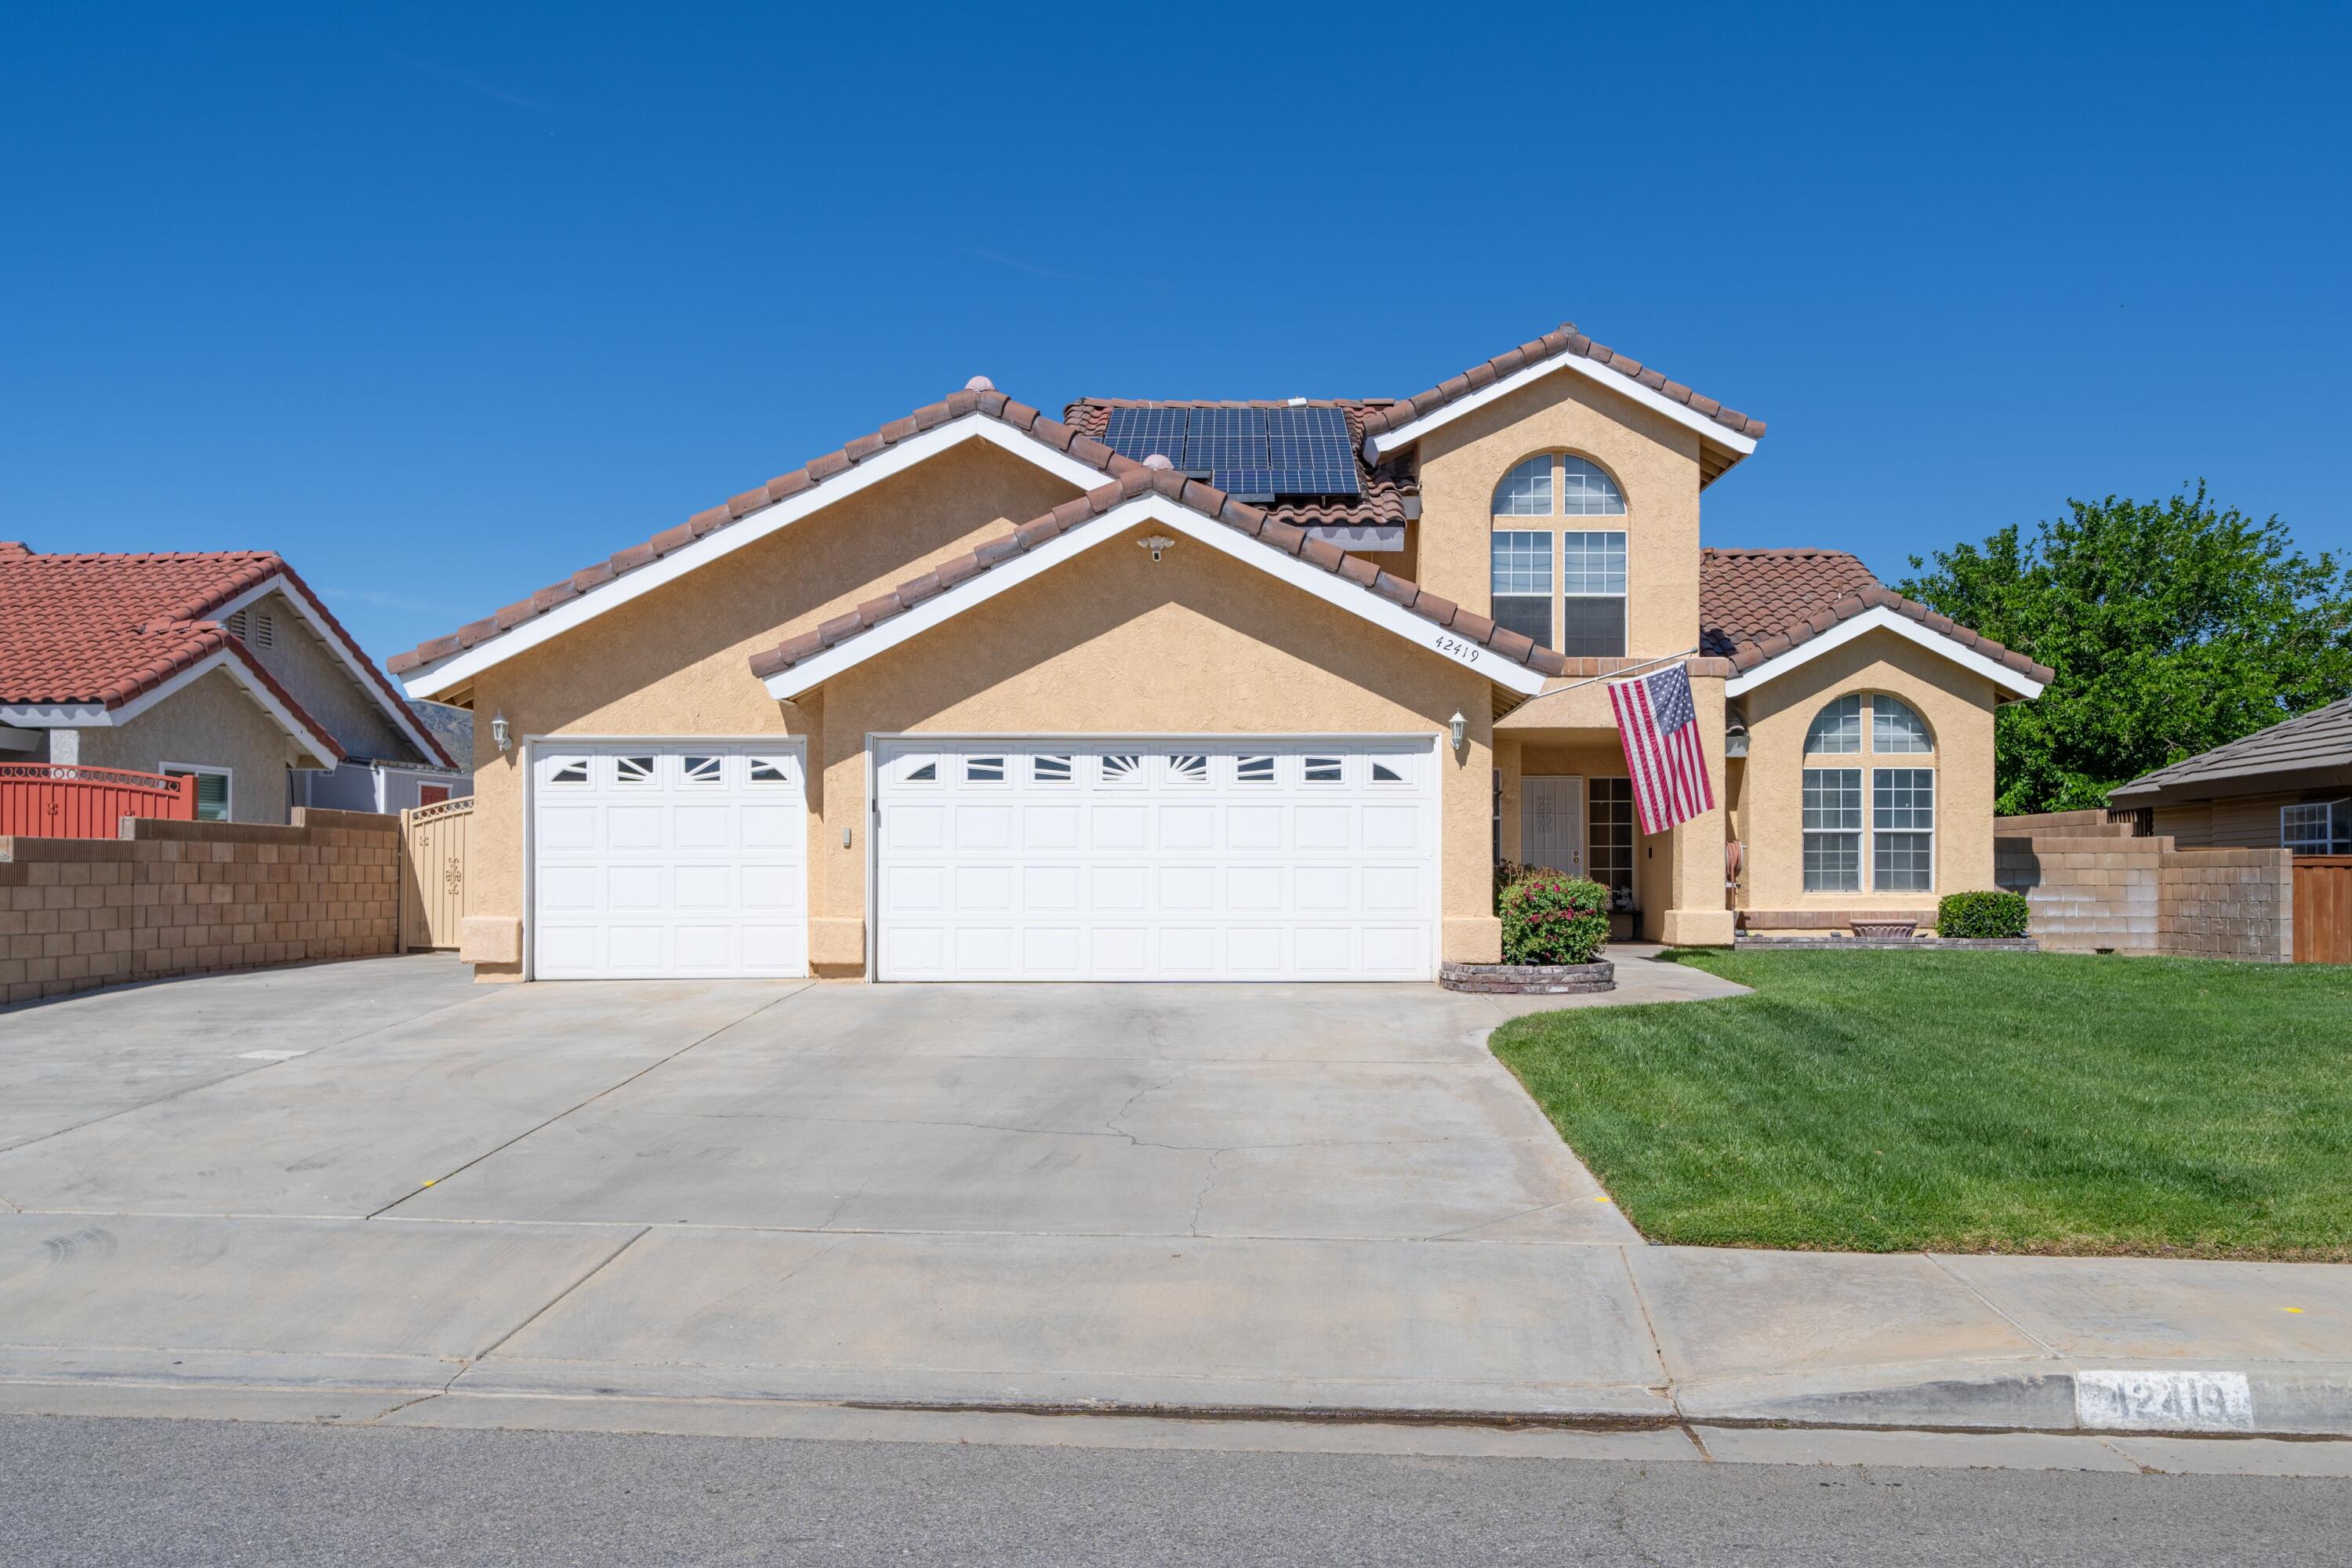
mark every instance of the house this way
{"type": "Point", "coordinates": [1219, 690]}
{"type": "Point", "coordinates": [222, 664]}
{"type": "Point", "coordinates": [2289, 786]}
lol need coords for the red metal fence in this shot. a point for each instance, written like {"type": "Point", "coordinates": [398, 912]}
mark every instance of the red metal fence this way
{"type": "Point", "coordinates": [60, 800]}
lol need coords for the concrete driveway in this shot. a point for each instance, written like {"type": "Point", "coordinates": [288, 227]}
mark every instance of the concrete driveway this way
{"type": "Point", "coordinates": [377, 1170]}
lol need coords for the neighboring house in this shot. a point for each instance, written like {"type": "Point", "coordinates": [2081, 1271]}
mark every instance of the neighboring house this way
{"type": "Point", "coordinates": [224, 665]}
{"type": "Point", "coordinates": [2289, 786]}
{"type": "Point", "coordinates": [1205, 691]}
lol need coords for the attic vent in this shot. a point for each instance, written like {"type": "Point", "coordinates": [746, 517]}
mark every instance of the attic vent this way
{"type": "Point", "coordinates": [255, 629]}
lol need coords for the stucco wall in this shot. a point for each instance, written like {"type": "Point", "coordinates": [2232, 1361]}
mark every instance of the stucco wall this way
{"type": "Point", "coordinates": [1655, 461]}
{"type": "Point", "coordinates": [1196, 644]}
{"type": "Point", "coordinates": [1767, 812]}
{"type": "Point", "coordinates": [675, 661]}
{"type": "Point", "coordinates": [325, 686]}
{"type": "Point", "coordinates": [210, 720]}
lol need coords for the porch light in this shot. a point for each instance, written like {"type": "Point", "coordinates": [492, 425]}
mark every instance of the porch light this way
{"type": "Point", "coordinates": [499, 731]}
{"type": "Point", "coordinates": [1461, 727]}
{"type": "Point", "coordinates": [1157, 543]}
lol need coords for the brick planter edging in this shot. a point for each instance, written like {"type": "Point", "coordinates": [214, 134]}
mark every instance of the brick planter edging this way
{"type": "Point", "coordinates": [1529, 979]}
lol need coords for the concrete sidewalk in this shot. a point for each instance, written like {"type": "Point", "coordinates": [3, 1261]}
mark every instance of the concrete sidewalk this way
{"type": "Point", "coordinates": [1543, 1332]}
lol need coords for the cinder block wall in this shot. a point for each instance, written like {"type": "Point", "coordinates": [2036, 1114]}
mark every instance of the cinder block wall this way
{"type": "Point", "coordinates": [2089, 892]}
{"type": "Point", "coordinates": [193, 898]}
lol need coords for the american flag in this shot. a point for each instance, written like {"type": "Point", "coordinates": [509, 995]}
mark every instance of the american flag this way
{"type": "Point", "coordinates": [1659, 724]}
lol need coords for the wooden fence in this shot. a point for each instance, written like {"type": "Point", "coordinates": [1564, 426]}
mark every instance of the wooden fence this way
{"type": "Point", "coordinates": [434, 891]}
{"type": "Point", "coordinates": [2323, 909]}
{"type": "Point", "coordinates": [62, 800]}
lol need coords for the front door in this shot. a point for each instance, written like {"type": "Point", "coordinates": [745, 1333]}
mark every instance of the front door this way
{"type": "Point", "coordinates": [1551, 824]}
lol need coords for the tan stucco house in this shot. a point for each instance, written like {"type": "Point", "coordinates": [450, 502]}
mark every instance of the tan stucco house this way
{"type": "Point", "coordinates": [1217, 691]}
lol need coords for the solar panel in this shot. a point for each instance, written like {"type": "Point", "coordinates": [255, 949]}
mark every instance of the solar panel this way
{"type": "Point", "coordinates": [1140, 432]}
{"type": "Point", "coordinates": [1310, 453]}
{"type": "Point", "coordinates": [1248, 453]}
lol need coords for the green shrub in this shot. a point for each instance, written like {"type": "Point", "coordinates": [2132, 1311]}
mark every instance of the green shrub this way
{"type": "Point", "coordinates": [1509, 872]}
{"type": "Point", "coordinates": [1548, 918]}
{"type": "Point", "coordinates": [1985, 914]}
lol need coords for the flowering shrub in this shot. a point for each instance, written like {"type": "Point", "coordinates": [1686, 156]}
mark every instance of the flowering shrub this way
{"type": "Point", "coordinates": [1548, 918]}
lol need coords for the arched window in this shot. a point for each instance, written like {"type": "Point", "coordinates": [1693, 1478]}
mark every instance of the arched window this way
{"type": "Point", "coordinates": [1894, 727]}
{"type": "Point", "coordinates": [1896, 853]}
{"type": "Point", "coordinates": [1526, 491]}
{"type": "Point", "coordinates": [1837, 727]}
{"type": "Point", "coordinates": [1586, 492]}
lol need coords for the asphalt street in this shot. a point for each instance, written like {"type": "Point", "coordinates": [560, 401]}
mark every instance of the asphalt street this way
{"type": "Point", "coordinates": [113, 1490]}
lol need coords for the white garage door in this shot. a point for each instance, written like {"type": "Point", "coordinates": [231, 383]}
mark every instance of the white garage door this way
{"type": "Point", "coordinates": [1133, 860]}
{"type": "Point", "coordinates": [662, 858]}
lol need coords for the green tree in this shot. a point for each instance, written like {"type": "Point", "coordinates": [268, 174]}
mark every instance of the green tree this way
{"type": "Point", "coordinates": [2173, 627]}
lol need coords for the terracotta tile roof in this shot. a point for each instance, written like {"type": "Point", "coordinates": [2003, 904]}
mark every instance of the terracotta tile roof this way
{"type": "Point", "coordinates": [1392, 491]}
{"type": "Point", "coordinates": [1552, 345]}
{"type": "Point", "coordinates": [1756, 604]}
{"type": "Point", "coordinates": [1198, 496]}
{"type": "Point", "coordinates": [105, 629]}
{"type": "Point", "coordinates": [985, 401]}
{"type": "Point", "coordinates": [2313, 748]}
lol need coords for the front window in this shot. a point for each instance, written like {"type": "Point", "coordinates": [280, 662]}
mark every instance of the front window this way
{"type": "Point", "coordinates": [1837, 729]}
{"type": "Point", "coordinates": [1522, 584]}
{"type": "Point", "coordinates": [1609, 858]}
{"type": "Point", "coordinates": [1833, 830]}
{"type": "Point", "coordinates": [1903, 829]}
{"type": "Point", "coordinates": [1592, 586]}
{"type": "Point", "coordinates": [211, 788]}
{"type": "Point", "coordinates": [2317, 827]}
{"type": "Point", "coordinates": [1526, 491]}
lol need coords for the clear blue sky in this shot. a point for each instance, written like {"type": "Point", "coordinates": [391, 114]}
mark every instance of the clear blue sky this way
{"type": "Point", "coordinates": [444, 302]}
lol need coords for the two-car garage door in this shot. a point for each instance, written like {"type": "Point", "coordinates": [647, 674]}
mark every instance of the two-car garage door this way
{"type": "Point", "coordinates": [1156, 860]}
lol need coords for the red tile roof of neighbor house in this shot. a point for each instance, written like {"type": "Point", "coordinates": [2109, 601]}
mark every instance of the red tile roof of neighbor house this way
{"type": "Point", "coordinates": [981, 400]}
{"type": "Point", "coordinates": [101, 628]}
{"type": "Point", "coordinates": [1756, 604]}
{"type": "Point", "coordinates": [1196, 496]}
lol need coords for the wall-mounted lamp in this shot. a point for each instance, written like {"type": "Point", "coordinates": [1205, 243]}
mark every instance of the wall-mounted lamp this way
{"type": "Point", "coordinates": [1461, 727]}
{"type": "Point", "coordinates": [1157, 543]}
{"type": "Point", "coordinates": [499, 731]}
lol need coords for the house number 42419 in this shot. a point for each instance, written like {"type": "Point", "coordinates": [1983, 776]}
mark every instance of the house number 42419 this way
{"type": "Point", "coordinates": [1466, 652]}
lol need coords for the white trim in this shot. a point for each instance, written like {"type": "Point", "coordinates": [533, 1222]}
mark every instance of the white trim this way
{"type": "Point", "coordinates": [228, 784]}
{"type": "Point", "coordinates": [448, 674]}
{"type": "Point", "coordinates": [278, 583]}
{"type": "Point", "coordinates": [1880, 619]}
{"type": "Point", "coordinates": [1157, 509]}
{"type": "Point", "coordinates": [1405, 434]}
{"type": "Point", "coordinates": [97, 716]}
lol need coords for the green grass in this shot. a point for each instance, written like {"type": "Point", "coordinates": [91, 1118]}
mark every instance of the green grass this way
{"type": "Point", "coordinates": [1967, 1102]}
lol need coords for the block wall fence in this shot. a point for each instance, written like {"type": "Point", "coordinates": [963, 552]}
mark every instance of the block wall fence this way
{"type": "Point", "coordinates": [2093, 886]}
{"type": "Point", "coordinates": [194, 897]}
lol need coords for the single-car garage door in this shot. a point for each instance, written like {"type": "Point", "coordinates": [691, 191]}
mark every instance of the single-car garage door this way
{"type": "Point", "coordinates": [1296, 858]}
{"type": "Point", "coordinates": [655, 859]}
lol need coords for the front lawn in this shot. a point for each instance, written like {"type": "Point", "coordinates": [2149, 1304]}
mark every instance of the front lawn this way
{"type": "Point", "coordinates": [1967, 1102]}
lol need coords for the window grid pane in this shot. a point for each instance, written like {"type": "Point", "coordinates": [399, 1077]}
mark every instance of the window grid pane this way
{"type": "Point", "coordinates": [1531, 619]}
{"type": "Point", "coordinates": [1903, 798]}
{"type": "Point", "coordinates": [1833, 800]}
{"type": "Point", "coordinates": [1837, 729]}
{"type": "Point", "coordinates": [1586, 492]}
{"type": "Point", "coordinates": [1592, 563]}
{"type": "Point", "coordinates": [1895, 730]}
{"type": "Point", "coordinates": [1522, 562]}
{"type": "Point", "coordinates": [1592, 628]}
{"type": "Point", "coordinates": [1526, 491]}
{"type": "Point", "coordinates": [1833, 862]}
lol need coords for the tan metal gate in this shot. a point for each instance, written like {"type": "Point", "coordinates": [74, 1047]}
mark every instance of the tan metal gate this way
{"type": "Point", "coordinates": [434, 891]}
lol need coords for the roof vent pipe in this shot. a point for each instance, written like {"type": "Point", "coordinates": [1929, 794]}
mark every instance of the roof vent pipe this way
{"type": "Point", "coordinates": [1157, 461]}
{"type": "Point", "coordinates": [980, 384]}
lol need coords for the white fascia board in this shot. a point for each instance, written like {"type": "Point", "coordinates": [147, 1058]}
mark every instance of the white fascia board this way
{"type": "Point", "coordinates": [276, 583]}
{"type": "Point", "coordinates": [449, 673]}
{"type": "Point", "coordinates": [786, 685]}
{"type": "Point", "coordinates": [1405, 434]}
{"type": "Point", "coordinates": [97, 716]}
{"type": "Point", "coordinates": [1882, 619]}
